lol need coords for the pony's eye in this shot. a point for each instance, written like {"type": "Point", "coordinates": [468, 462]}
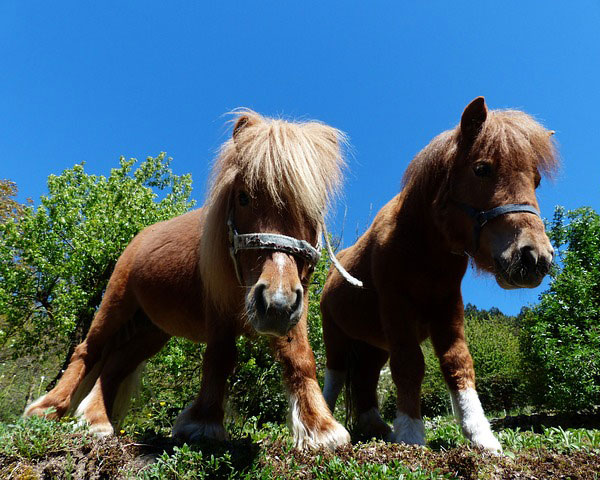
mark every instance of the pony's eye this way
{"type": "Point", "coordinates": [538, 179]}
{"type": "Point", "coordinates": [483, 169]}
{"type": "Point", "coordinates": [243, 199]}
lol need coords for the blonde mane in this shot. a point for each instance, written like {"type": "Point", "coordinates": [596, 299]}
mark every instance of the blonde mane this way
{"type": "Point", "coordinates": [513, 135]}
{"type": "Point", "coordinates": [297, 165]}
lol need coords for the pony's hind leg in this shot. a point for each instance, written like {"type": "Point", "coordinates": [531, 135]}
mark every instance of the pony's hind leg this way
{"type": "Point", "coordinates": [311, 421]}
{"type": "Point", "coordinates": [204, 417]}
{"type": "Point", "coordinates": [116, 309]}
{"type": "Point", "coordinates": [108, 400]}
{"type": "Point", "coordinates": [364, 369]}
{"type": "Point", "coordinates": [457, 366]}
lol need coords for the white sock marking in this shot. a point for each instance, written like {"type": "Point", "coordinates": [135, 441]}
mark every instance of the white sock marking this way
{"type": "Point", "coordinates": [467, 407]}
{"type": "Point", "coordinates": [305, 438]}
{"type": "Point", "coordinates": [408, 430]}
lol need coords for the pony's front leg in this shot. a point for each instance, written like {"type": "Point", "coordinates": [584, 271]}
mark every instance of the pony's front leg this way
{"type": "Point", "coordinates": [204, 417]}
{"type": "Point", "coordinates": [457, 366]}
{"type": "Point", "coordinates": [311, 422]}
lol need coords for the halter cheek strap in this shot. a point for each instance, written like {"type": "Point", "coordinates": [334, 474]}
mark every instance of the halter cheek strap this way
{"type": "Point", "coordinates": [268, 241]}
{"type": "Point", "coordinates": [282, 243]}
{"type": "Point", "coordinates": [481, 217]}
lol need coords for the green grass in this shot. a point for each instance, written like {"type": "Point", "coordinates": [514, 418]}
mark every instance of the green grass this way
{"type": "Point", "coordinates": [267, 453]}
{"type": "Point", "coordinates": [35, 437]}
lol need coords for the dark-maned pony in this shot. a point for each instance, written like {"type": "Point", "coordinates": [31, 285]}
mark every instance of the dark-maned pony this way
{"type": "Point", "coordinates": [239, 265]}
{"type": "Point", "coordinates": [470, 194]}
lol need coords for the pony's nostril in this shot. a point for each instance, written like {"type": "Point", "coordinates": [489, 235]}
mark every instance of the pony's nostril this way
{"type": "Point", "coordinates": [529, 257]}
{"type": "Point", "coordinates": [259, 299]}
{"type": "Point", "coordinates": [298, 303]}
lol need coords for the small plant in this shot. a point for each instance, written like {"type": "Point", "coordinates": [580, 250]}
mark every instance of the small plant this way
{"type": "Point", "coordinates": [37, 437]}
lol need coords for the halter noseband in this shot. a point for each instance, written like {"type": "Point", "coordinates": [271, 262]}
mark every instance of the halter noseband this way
{"type": "Point", "coordinates": [481, 217]}
{"type": "Point", "coordinates": [268, 241]}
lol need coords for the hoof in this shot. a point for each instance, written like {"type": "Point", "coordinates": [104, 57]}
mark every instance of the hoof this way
{"type": "Point", "coordinates": [487, 441]}
{"type": "Point", "coordinates": [407, 430]}
{"type": "Point", "coordinates": [102, 430]}
{"type": "Point", "coordinates": [328, 433]}
{"type": "Point", "coordinates": [43, 407]}
{"type": "Point", "coordinates": [371, 425]}
{"type": "Point", "coordinates": [189, 429]}
{"type": "Point", "coordinates": [330, 438]}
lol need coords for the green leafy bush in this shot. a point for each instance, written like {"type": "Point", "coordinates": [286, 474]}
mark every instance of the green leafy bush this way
{"type": "Point", "coordinates": [56, 259]}
{"type": "Point", "coordinates": [170, 382]}
{"type": "Point", "coordinates": [493, 340]}
{"type": "Point", "coordinates": [561, 335]}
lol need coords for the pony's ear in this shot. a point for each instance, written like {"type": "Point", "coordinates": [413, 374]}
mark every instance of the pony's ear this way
{"type": "Point", "coordinates": [472, 118]}
{"type": "Point", "coordinates": [242, 122]}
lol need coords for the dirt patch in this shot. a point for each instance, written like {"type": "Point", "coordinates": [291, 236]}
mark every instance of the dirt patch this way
{"type": "Point", "coordinates": [463, 462]}
{"type": "Point", "coordinates": [111, 458]}
{"type": "Point", "coordinates": [102, 459]}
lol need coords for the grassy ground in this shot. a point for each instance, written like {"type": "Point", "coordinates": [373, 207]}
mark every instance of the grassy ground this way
{"type": "Point", "coordinates": [42, 449]}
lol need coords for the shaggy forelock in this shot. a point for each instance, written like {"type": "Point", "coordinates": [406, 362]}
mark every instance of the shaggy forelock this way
{"type": "Point", "coordinates": [511, 135]}
{"type": "Point", "coordinates": [296, 165]}
{"type": "Point", "coordinates": [515, 135]}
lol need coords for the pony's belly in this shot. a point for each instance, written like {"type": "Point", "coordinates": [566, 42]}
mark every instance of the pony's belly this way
{"type": "Point", "coordinates": [177, 324]}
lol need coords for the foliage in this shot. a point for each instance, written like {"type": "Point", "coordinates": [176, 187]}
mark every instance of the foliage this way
{"type": "Point", "coordinates": [171, 380]}
{"type": "Point", "coordinates": [55, 260]}
{"type": "Point", "coordinates": [493, 340]}
{"type": "Point", "coordinates": [561, 335]}
{"type": "Point", "coordinates": [37, 437]}
{"type": "Point", "coordinates": [9, 207]}
{"type": "Point", "coordinates": [444, 433]}
{"type": "Point", "coordinates": [22, 380]}
{"type": "Point", "coordinates": [255, 388]}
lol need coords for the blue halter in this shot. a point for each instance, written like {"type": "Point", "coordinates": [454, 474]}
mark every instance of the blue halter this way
{"type": "Point", "coordinates": [481, 217]}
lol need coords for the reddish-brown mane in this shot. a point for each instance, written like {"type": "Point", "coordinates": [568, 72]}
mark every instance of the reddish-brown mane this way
{"type": "Point", "coordinates": [512, 135]}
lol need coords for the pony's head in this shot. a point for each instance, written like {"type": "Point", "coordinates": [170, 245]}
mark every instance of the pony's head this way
{"type": "Point", "coordinates": [272, 183]}
{"type": "Point", "coordinates": [487, 170]}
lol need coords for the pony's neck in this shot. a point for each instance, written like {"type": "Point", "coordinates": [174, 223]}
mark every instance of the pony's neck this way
{"type": "Point", "coordinates": [420, 229]}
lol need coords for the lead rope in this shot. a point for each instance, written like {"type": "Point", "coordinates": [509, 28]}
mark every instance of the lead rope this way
{"type": "Point", "coordinates": [343, 272]}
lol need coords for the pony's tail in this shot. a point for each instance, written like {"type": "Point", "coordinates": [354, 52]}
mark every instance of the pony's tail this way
{"type": "Point", "coordinates": [128, 389]}
{"type": "Point", "coordinates": [349, 403]}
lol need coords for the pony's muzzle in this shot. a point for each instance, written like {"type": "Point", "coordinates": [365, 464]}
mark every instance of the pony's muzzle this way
{"type": "Point", "coordinates": [276, 310]}
{"type": "Point", "coordinates": [526, 268]}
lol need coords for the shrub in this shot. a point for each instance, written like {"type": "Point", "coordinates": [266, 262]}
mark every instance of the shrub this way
{"type": "Point", "coordinates": [56, 259]}
{"type": "Point", "coordinates": [561, 335]}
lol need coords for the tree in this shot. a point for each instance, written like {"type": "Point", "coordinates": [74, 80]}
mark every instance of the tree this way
{"type": "Point", "coordinates": [9, 207]}
{"type": "Point", "coordinates": [561, 335]}
{"type": "Point", "coordinates": [56, 259]}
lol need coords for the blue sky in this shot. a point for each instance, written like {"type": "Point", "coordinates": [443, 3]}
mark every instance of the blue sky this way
{"type": "Point", "coordinates": [90, 81]}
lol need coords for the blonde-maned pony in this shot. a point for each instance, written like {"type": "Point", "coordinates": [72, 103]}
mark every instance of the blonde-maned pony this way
{"type": "Point", "coordinates": [239, 265]}
{"type": "Point", "coordinates": [470, 193]}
